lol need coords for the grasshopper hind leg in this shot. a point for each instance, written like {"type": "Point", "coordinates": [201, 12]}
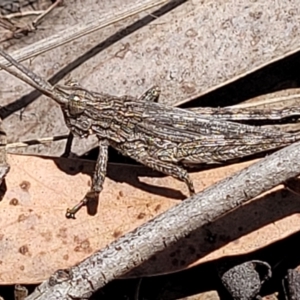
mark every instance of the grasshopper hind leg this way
{"type": "Point", "coordinates": [169, 169]}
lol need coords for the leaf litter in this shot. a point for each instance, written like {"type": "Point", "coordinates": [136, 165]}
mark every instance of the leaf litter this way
{"type": "Point", "coordinates": [37, 239]}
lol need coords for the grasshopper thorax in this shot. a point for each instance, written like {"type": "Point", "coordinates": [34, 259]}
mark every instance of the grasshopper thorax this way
{"type": "Point", "coordinates": [75, 105]}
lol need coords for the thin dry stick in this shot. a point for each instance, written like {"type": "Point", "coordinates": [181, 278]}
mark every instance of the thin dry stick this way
{"type": "Point", "coordinates": [30, 26]}
{"type": "Point", "coordinates": [80, 30]}
{"type": "Point", "coordinates": [267, 101]}
{"type": "Point", "coordinates": [22, 14]}
{"type": "Point", "coordinates": [35, 142]}
{"type": "Point", "coordinates": [129, 251]}
{"type": "Point", "coordinates": [46, 12]}
{"type": "Point", "coordinates": [40, 13]}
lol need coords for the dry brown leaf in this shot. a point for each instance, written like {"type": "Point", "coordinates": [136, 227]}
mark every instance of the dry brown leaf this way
{"type": "Point", "coordinates": [36, 238]}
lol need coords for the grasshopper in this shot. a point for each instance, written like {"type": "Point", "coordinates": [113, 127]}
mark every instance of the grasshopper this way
{"type": "Point", "coordinates": [164, 138]}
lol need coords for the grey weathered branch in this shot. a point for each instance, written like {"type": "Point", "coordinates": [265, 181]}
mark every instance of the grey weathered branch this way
{"type": "Point", "coordinates": [129, 251]}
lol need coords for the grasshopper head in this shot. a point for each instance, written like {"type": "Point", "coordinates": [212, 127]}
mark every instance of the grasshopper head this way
{"type": "Point", "coordinates": [76, 105]}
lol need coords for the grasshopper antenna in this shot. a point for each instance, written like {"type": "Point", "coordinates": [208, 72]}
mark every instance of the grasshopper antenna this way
{"type": "Point", "coordinates": [32, 79]}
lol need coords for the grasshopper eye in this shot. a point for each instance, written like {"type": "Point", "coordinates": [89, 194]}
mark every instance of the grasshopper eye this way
{"type": "Point", "coordinates": [76, 105]}
{"type": "Point", "coordinates": [151, 95]}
